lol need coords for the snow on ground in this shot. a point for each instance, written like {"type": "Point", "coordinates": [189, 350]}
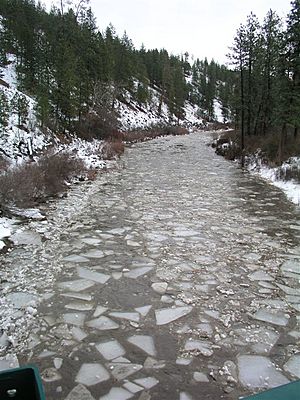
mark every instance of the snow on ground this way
{"type": "Point", "coordinates": [5, 230]}
{"type": "Point", "coordinates": [192, 115]}
{"type": "Point", "coordinates": [135, 116]}
{"type": "Point", "coordinates": [19, 142]}
{"type": "Point", "coordinates": [290, 187]}
{"type": "Point", "coordinates": [89, 152]}
{"type": "Point", "coordinates": [218, 111]}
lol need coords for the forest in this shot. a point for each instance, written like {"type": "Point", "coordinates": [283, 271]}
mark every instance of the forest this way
{"type": "Point", "coordinates": [76, 74]}
{"type": "Point", "coordinates": [266, 57]}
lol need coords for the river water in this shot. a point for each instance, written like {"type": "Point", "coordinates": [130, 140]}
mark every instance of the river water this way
{"type": "Point", "coordinates": [175, 276]}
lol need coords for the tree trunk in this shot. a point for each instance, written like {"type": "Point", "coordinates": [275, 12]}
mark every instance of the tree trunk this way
{"type": "Point", "coordinates": [242, 119]}
{"type": "Point", "coordinates": [282, 142]}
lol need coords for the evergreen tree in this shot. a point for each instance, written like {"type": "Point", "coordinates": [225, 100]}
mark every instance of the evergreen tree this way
{"type": "Point", "coordinates": [4, 110]}
{"type": "Point", "coordinates": [20, 106]}
{"type": "Point", "coordinates": [293, 63]}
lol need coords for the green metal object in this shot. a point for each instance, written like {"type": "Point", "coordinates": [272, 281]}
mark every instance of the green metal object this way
{"type": "Point", "coordinates": [291, 391]}
{"type": "Point", "coordinates": [21, 384]}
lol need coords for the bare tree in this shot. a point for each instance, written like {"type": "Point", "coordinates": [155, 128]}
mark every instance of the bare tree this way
{"type": "Point", "coordinates": [77, 6]}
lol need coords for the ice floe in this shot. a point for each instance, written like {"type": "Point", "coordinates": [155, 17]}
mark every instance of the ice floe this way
{"type": "Point", "coordinates": [91, 374]}
{"type": "Point", "coordinates": [143, 342]}
{"type": "Point", "coordinates": [167, 315]}
{"type": "Point", "coordinates": [111, 350]}
{"type": "Point", "coordinates": [258, 372]}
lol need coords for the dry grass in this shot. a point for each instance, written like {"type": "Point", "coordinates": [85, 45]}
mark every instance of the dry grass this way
{"type": "Point", "coordinates": [112, 149]}
{"type": "Point", "coordinates": [268, 145]}
{"type": "Point", "coordinates": [4, 164]}
{"type": "Point", "coordinates": [34, 182]}
{"type": "Point", "coordinates": [152, 133]}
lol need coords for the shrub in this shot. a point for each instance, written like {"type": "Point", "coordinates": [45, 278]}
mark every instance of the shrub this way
{"type": "Point", "coordinates": [4, 164]}
{"type": "Point", "coordinates": [154, 132]}
{"type": "Point", "coordinates": [57, 169]}
{"type": "Point", "coordinates": [112, 149]}
{"type": "Point", "coordinates": [32, 182]}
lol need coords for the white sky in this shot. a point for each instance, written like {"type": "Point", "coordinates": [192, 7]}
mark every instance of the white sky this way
{"type": "Point", "coordinates": [203, 28]}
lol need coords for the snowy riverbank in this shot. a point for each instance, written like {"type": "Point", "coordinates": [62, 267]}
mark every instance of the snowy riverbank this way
{"type": "Point", "coordinates": [290, 187]}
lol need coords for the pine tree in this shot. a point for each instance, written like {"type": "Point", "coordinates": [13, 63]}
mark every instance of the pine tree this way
{"type": "Point", "coordinates": [20, 106]}
{"type": "Point", "coordinates": [4, 110]}
{"type": "Point", "coordinates": [293, 57]}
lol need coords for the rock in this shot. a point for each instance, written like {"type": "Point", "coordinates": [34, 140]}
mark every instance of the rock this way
{"type": "Point", "coordinates": [160, 287]}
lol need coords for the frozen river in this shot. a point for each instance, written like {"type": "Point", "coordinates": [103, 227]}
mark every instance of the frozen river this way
{"type": "Point", "coordinates": [175, 276]}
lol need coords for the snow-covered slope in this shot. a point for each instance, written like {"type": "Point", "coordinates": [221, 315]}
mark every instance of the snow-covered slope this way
{"type": "Point", "coordinates": [276, 176]}
{"type": "Point", "coordinates": [133, 115]}
{"type": "Point", "coordinates": [19, 141]}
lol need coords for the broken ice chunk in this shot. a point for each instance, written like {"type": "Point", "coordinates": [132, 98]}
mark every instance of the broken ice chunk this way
{"type": "Point", "coordinates": [79, 306]}
{"type": "Point", "coordinates": [117, 275]}
{"type": "Point", "coordinates": [99, 310]}
{"type": "Point", "coordinates": [184, 361]}
{"type": "Point", "coordinates": [21, 299]}
{"type": "Point", "coordinates": [291, 266]}
{"type": "Point", "coordinates": [198, 345]}
{"type": "Point", "coordinates": [200, 377]}
{"type": "Point", "coordinates": [93, 254]}
{"type": "Point", "coordinates": [76, 259]}
{"type": "Point", "coordinates": [103, 324]}
{"type": "Point", "coordinates": [117, 393]}
{"type": "Point", "coordinates": [91, 241]}
{"type": "Point", "coordinates": [58, 362]}
{"type": "Point", "coordinates": [288, 290]}
{"type": "Point", "coordinates": [76, 286]}
{"type": "Point", "coordinates": [205, 329]}
{"type": "Point", "coordinates": [8, 362]}
{"type": "Point", "coordinates": [132, 387]}
{"type": "Point", "coordinates": [78, 296]}
{"type": "Point", "coordinates": [122, 360]}
{"type": "Point", "coordinates": [260, 276]}
{"type": "Point", "coordinates": [147, 383]}
{"type": "Point", "coordinates": [293, 365]}
{"type": "Point", "coordinates": [137, 272]}
{"type": "Point", "coordinates": [143, 310]}
{"type": "Point", "coordinates": [145, 343]}
{"type": "Point", "coordinates": [46, 353]}
{"type": "Point", "coordinates": [151, 363]}
{"type": "Point", "coordinates": [130, 316]}
{"type": "Point", "coordinates": [92, 275]}
{"type": "Point", "coordinates": [78, 334]}
{"type": "Point", "coordinates": [185, 396]}
{"type": "Point", "coordinates": [212, 313]}
{"type": "Point", "coordinates": [80, 392]}
{"type": "Point", "coordinates": [272, 316]}
{"type": "Point", "coordinates": [74, 318]}
{"type": "Point", "coordinates": [121, 371]}
{"type": "Point", "coordinates": [91, 374]}
{"type": "Point", "coordinates": [111, 349]}
{"type": "Point", "coordinates": [257, 372]}
{"type": "Point", "coordinates": [167, 315]}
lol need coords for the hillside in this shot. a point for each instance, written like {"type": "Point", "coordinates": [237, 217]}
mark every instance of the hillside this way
{"type": "Point", "coordinates": [81, 77]}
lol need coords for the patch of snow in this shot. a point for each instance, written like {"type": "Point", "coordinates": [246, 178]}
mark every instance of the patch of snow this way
{"type": "Point", "coordinates": [291, 188]}
{"type": "Point", "coordinates": [218, 111]}
{"type": "Point", "coordinates": [6, 230]}
{"type": "Point", "coordinates": [140, 116]}
{"type": "Point", "coordinates": [20, 142]}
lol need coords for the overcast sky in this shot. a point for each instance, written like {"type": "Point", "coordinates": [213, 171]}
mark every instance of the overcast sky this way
{"type": "Point", "coordinates": [202, 28]}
